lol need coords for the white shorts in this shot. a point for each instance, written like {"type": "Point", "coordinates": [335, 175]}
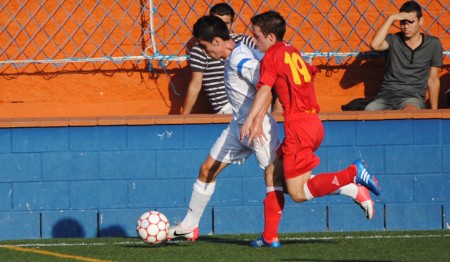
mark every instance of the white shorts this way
{"type": "Point", "coordinates": [229, 149]}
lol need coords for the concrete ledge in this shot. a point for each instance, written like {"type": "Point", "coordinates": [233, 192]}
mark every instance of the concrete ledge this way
{"type": "Point", "coordinates": [210, 118]}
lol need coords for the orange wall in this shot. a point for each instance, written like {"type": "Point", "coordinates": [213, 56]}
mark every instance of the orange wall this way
{"type": "Point", "coordinates": [143, 88]}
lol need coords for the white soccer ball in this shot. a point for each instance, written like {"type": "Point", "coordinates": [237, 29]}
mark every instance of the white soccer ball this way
{"type": "Point", "coordinates": [152, 227]}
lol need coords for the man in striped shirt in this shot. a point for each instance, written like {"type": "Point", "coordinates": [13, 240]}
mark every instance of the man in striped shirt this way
{"type": "Point", "coordinates": [209, 73]}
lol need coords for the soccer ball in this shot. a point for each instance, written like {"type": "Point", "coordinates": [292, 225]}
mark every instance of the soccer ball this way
{"type": "Point", "coordinates": [152, 227]}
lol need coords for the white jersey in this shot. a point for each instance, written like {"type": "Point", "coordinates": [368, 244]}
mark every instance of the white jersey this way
{"type": "Point", "coordinates": [213, 78]}
{"type": "Point", "coordinates": [241, 77]}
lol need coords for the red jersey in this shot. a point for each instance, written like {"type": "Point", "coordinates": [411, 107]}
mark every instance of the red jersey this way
{"type": "Point", "coordinates": [284, 69]}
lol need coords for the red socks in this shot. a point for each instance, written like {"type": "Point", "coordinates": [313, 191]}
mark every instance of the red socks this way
{"type": "Point", "coordinates": [324, 184]}
{"type": "Point", "coordinates": [273, 208]}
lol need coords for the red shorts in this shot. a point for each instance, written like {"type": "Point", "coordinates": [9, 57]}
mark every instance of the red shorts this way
{"type": "Point", "coordinates": [303, 135]}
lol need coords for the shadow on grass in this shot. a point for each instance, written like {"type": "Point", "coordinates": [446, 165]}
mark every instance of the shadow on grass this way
{"type": "Point", "coordinates": [245, 241]}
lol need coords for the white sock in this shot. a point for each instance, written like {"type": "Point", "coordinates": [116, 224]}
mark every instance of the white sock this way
{"type": "Point", "coordinates": [273, 188]}
{"type": "Point", "coordinates": [201, 194]}
{"type": "Point", "coordinates": [308, 194]}
{"type": "Point", "coordinates": [350, 190]}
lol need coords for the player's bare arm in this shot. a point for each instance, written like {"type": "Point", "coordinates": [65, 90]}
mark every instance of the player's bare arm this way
{"type": "Point", "coordinates": [194, 87]}
{"type": "Point", "coordinates": [259, 104]}
{"type": "Point", "coordinates": [434, 85]}
{"type": "Point", "coordinates": [256, 129]}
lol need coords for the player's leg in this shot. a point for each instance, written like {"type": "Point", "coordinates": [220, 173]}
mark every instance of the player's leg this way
{"type": "Point", "coordinates": [301, 141]}
{"type": "Point", "coordinates": [265, 153]}
{"type": "Point", "coordinates": [304, 187]}
{"type": "Point", "coordinates": [273, 206]}
{"type": "Point", "coordinates": [202, 192]}
{"type": "Point", "coordinates": [303, 135]}
{"type": "Point", "coordinates": [324, 184]}
{"type": "Point", "coordinates": [295, 186]}
{"type": "Point", "coordinates": [226, 149]}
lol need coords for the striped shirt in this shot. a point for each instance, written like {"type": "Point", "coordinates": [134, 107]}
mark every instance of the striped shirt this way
{"type": "Point", "coordinates": [213, 72]}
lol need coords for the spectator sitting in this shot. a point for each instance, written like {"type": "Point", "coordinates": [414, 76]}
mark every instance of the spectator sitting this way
{"type": "Point", "coordinates": [412, 64]}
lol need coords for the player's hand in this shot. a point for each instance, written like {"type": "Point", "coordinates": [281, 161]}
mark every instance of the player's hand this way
{"type": "Point", "coordinates": [245, 130]}
{"type": "Point", "coordinates": [256, 134]}
{"type": "Point", "coordinates": [254, 131]}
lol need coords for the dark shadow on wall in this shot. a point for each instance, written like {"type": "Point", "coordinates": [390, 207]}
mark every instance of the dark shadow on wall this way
{"type": "Point", "coordinates": [178, 80]}
{"type": "Point", "coordinates": [366, 70]}
{"type": "Point", "coordinates": [68, 228]}
{"type": "Point", "coordinates": [178, 85]}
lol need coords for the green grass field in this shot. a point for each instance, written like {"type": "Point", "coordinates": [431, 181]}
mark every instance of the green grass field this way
{"type": "Point", "coordinates": [354, 246]}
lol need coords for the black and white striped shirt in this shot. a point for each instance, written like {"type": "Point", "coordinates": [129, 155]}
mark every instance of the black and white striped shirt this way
{"type": "Point", "coordinates": [213, 72]}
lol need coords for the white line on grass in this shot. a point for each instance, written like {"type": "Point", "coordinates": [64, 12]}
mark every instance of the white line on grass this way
{"type": "Point", "coordinates": [283, 238]}
{"type": "Point", "coordinates": [362, 237]}
{"type": "Point", "coordinates": [75, 244]}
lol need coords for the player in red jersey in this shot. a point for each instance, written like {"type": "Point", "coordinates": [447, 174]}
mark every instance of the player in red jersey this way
{"type": "Point", "coordinates": [284, 69]}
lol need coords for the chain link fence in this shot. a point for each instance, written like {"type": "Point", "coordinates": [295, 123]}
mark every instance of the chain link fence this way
{"type": "Point", "coordinates": [85, 34]}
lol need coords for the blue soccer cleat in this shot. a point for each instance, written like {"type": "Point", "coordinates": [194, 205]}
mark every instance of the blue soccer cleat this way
{"type": "Point", "coordinates": [364, 178]}
{"type": "Point", "coordinates": [260, 242]}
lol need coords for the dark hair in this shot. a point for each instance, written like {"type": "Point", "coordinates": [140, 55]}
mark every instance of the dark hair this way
{"type": "Point", "coordinates": [210, 26]}
{"type": "Point", "coordinates": [222, 9]}
{"type": "Point", "coordinates": [412, 6]}
{"type": "Point", "coordinates": [270, 22]}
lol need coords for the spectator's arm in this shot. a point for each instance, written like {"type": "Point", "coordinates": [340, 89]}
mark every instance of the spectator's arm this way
{"type": "Point", "coordinates": [194, 87]}
{"type": "Point", "coordinates": [434, 85]}
{"type": "Point", "coordinates": [378, 42]}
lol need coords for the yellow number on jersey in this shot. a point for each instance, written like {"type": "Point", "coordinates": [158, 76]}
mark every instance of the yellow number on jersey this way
{"type": "Point", "coordinates": [297, 69]}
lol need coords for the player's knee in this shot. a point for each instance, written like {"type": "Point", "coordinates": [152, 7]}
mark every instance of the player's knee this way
{"type": "Point", "coordinates": [297, 197]}
{"type": "Point", "coordinates": [208, 173]}
{"type": "Point", "coordinates": [204, 172]}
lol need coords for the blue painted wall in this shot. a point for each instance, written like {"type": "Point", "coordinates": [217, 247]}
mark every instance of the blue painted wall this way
{"type": "Point", "coordinates": [96, 181]}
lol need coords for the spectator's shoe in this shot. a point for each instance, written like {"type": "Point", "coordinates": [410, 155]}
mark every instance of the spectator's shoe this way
{"type": "Point", "coordinates": [365, 202]}
{"type": "Point", "coordinates": [363, 177]}
{"type": "Point", "coordinates": [179, 231]}
{"type": "Point", "coordinates": [260, 242]}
